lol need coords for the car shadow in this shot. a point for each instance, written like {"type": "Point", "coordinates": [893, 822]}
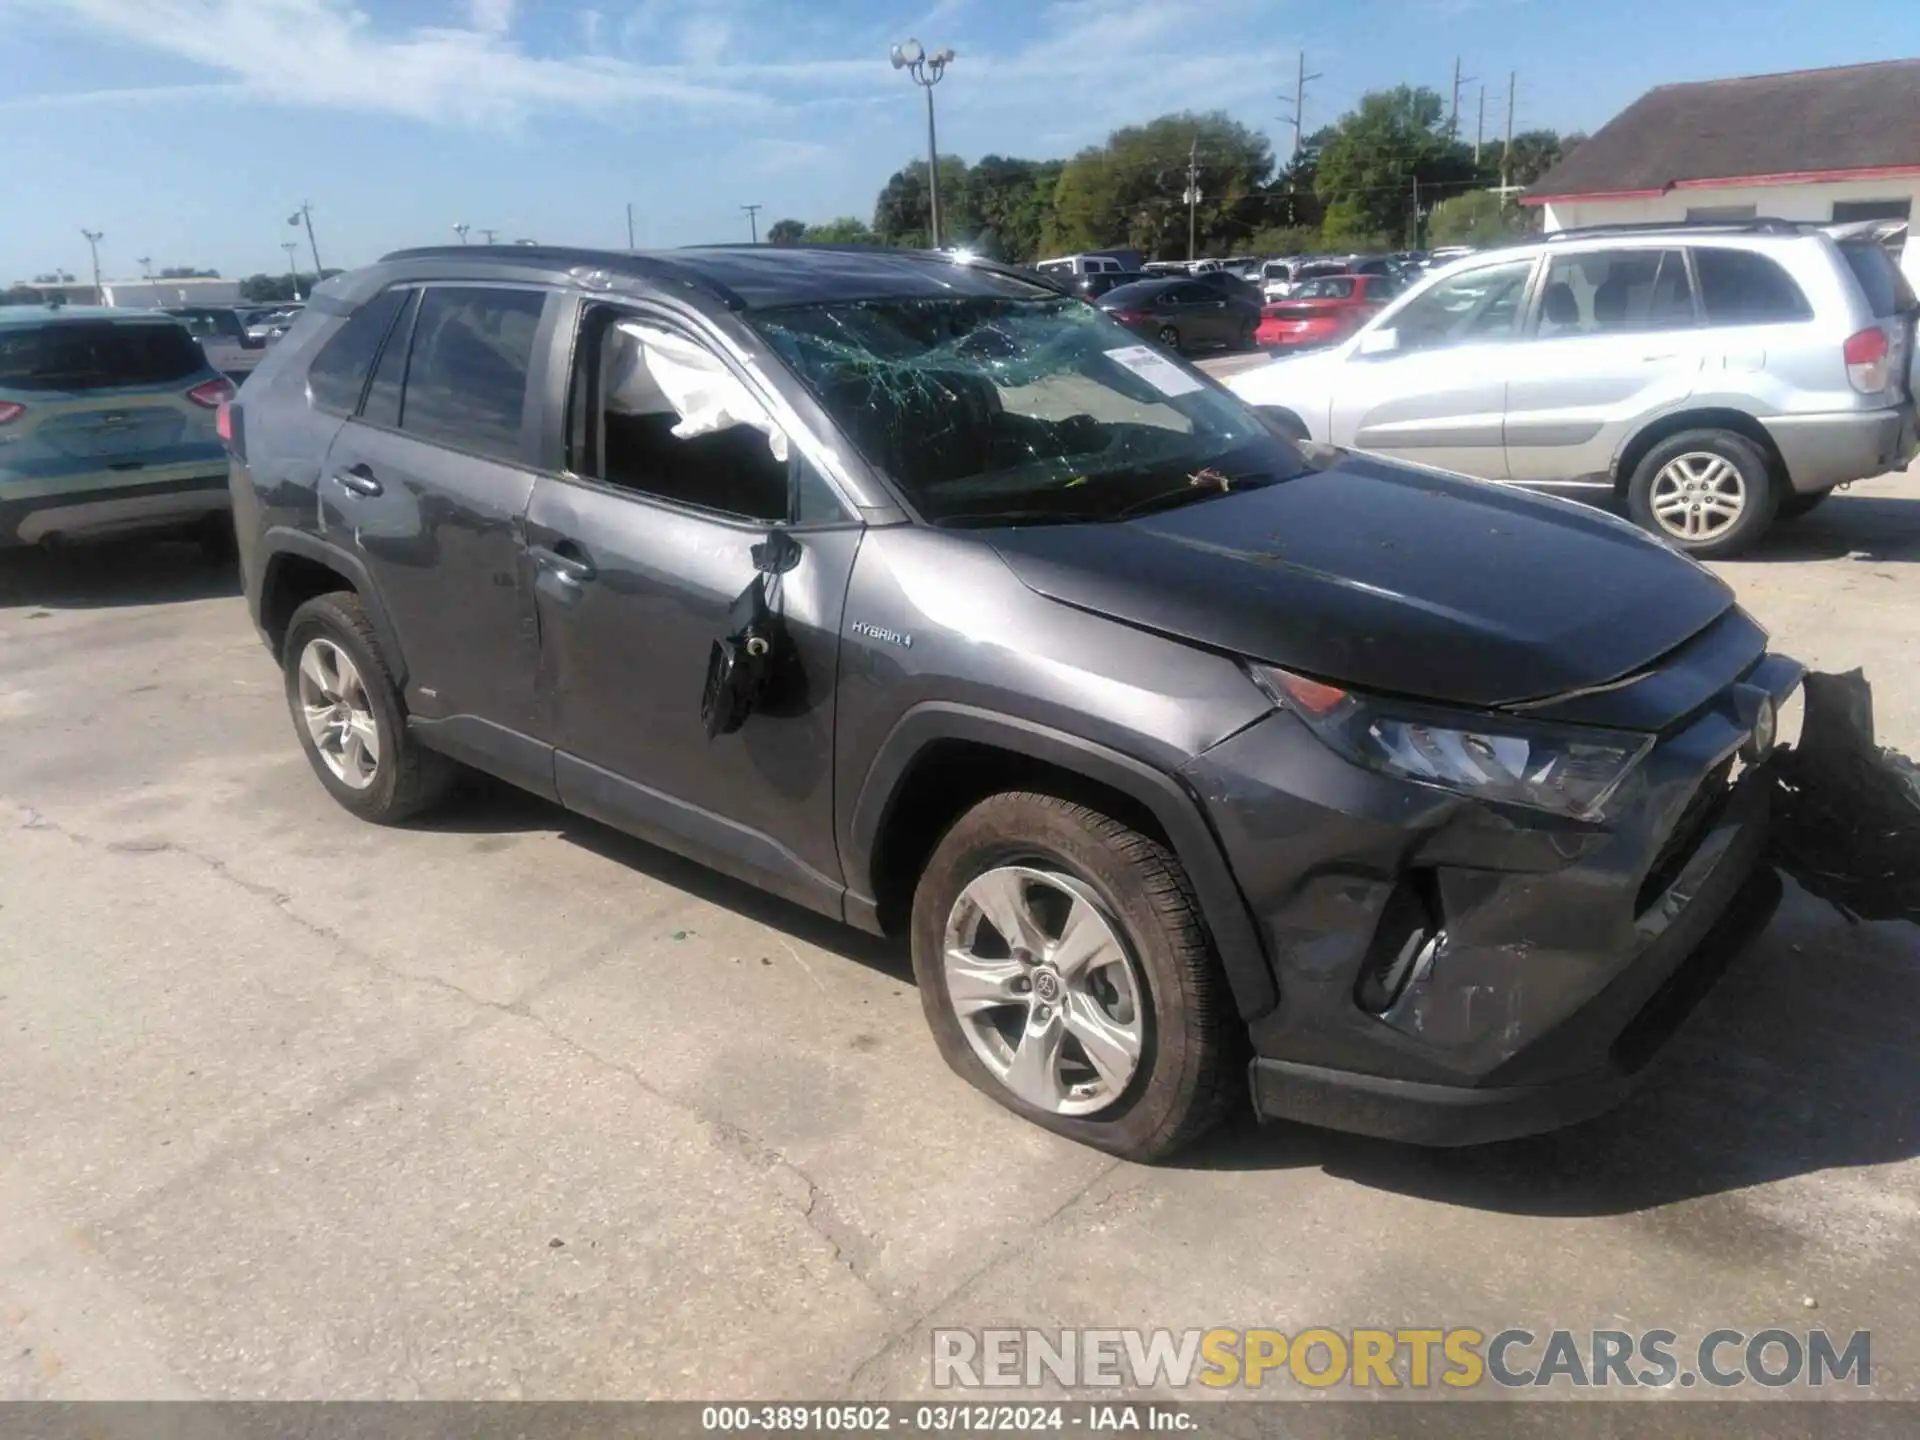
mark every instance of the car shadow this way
{"type": "Point", "coordinates": [1803, 1059]}
{"type": "Point", "coordinates": [487, 806]}
{"type": "Point", "coordinates": [114, 574]}
{"type": "Point", "coordinates": [1872, 528]}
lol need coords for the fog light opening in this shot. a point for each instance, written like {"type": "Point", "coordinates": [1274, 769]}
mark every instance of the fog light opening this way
{"type": "Point", "coordinates": [1405, 943]}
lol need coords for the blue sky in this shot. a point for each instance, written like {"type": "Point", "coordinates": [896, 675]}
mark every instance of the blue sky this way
{"type": "Point", "coordinates": [186, 130]}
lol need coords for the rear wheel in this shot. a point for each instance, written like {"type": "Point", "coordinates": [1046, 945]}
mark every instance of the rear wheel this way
{"type": "Point", "coordinates": [1065, 971]}
{"type": "Point", "coordinates": [1708, 492]}
{"type": "Point", "coordinates": [349, 717]}
{"type": "Point", "coordinates": [1800, 502]}
{"type": "Point", "coordinates": [1247, 327]}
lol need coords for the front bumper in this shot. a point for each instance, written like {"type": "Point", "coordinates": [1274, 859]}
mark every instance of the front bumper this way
{"type": "Point", "coordinates": [1566, 954]}
{"type": "Point", "coordinates": [1822, 451]}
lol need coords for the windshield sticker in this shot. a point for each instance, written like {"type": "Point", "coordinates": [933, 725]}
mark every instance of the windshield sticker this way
{"type": "Point", "coordinates": [1156, 369]}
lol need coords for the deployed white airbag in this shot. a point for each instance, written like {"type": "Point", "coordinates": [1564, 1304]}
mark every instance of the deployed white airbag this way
{"type": "Point", "coordinates": [653, 371]}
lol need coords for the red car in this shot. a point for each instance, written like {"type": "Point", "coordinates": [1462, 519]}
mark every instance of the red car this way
{"type": "Point", "coordinates": [1323, 311]}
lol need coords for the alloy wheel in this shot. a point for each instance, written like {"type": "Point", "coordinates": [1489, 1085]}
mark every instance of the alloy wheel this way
{"type": "Point", "coordinates": [339, 713]}
{"type": "Point", "coordinates": [1045, 989]}
{"type": "Point", "coordinates": [1698, 496]}
{"type": "Point", "coordinates": [1169, 337]}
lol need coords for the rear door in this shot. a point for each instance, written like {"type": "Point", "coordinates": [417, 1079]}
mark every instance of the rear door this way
{"type": "Point", "coordinates": [1428, 382]}
{"type": "Point", "coordinates": [1614, 337]}
{"type": "Point", "coordinates": [428, 482]}
{"type": "Point", "coordinates": [1201, 312]}
{"type": "Point", "coordinates": [1890, 298]}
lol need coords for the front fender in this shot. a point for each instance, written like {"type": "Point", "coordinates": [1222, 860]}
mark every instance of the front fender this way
{"type": "Point", "coordinates": [1223, 907]}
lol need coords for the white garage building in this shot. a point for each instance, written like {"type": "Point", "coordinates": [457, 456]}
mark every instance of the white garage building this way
{"type": "Point", "coordinates": [1821, 145]}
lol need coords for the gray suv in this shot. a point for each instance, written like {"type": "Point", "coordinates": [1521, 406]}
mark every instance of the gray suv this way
{"type": "Point", "coordinates": [933, 600]}
{"type": "Point", "coordinates": [1711, 377]}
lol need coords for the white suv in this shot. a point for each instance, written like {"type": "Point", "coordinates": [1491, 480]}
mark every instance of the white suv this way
{"type": "Point", "coordinates": [1713, 377]}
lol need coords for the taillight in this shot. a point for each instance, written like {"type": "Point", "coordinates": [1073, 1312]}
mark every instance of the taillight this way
{"type": "Point", "coordinates": [9, 412]}
{"type": "Point", "coordinates": [1866, 356]}
{"type": "Point", "coordinates": [223, 422]}
{"type": "Point", "coordinates": [212, 393]}
{"type": "Point", "coordinates": [1127, 317]}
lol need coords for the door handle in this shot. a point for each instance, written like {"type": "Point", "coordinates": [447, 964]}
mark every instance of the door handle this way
{"type": "Point", "coordinates": [358, 480]}
{"type": "Point", "coordinates": [571, 568]}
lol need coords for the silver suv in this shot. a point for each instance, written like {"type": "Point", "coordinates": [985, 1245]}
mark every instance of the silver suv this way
{"type": "Point", "coordinates": [1711, 377]}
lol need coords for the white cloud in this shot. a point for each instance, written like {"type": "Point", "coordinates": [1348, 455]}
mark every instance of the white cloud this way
{"type": "Point", "coordinates": [493, 17]}
{"type": "Point", "coordinates": [704, 39]}
{"type": "Point", "coordinates": [591, 24]}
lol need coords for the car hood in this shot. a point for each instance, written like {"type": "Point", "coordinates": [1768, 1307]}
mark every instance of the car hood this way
{"type": "Point", "coordinates": [1388, 577]}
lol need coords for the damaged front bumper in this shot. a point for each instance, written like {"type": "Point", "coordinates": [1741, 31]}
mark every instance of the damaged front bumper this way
{"type": "Point", "coordinates": [1450, 973]}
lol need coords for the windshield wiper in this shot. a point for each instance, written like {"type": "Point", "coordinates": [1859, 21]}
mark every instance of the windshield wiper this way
{"type": "Point", "coordinates": [1201, 485]}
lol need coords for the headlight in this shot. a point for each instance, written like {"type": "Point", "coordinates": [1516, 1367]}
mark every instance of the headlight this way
{"type": "Point", "coordinates": [1566, 769]}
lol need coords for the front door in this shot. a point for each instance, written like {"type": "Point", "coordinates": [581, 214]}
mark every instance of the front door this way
{"type": "Point", "coordinates": [642, 549]}
{"type": "Point", "coordinates": [428, 482]}
{"type": "Point", "coordinates": [1429, 382]}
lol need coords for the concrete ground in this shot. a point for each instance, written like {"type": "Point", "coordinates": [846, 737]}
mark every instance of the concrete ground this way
{"type": "Point", "coordinates": [508, 1105]}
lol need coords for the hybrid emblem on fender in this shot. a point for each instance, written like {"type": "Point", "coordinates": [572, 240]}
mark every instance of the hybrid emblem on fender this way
{"type": "Point", "coordinates": [880, 632]}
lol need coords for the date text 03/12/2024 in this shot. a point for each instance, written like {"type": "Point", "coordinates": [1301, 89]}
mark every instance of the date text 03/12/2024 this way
{"type": "Point", "coordinates": [944, 1419]}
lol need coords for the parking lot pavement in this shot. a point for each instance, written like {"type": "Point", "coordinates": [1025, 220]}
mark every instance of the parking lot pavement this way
{"type": "Point", "coordinates": [506, 1104]}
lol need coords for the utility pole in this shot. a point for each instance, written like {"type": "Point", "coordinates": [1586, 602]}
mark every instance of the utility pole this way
{"type": "Point", "coordinates": [292, 247]}
{"type": "Point", "coordinates": [1453, 117]}
{"type": "Point", "coordinates": [1193, 194]}
{"type": "Point", "coordinates": [94, 237]}
{"type": "Point", "coordinates": [1506, 152]}
{"type": "Point", "coordinates": [488, 233]}
{"type": "Point", "coordinates": [146, 266]}
{"type": "Point", "coordinates": [753, 220]}
{"type": "Point", "coordinates": [305, 212]}
{"type": "Point", "coordinates": [1299, 98]}
{"type": "Point", "coordinates": [630, 225]}
{"type": "Point", "coordinates": [1480, 130]}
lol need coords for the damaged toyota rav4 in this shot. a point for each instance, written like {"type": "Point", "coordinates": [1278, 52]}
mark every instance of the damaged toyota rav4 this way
{"type": "Point", "coordinates": [909, 589]}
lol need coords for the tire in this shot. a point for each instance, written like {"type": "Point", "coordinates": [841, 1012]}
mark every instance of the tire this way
{"type": "Point", "coordinates": [1724, 464]}
{"type": "Point", "coordinates": [1170, 338]}
{"type": "Point", "coordinates": [404, 778]}
{"type": "Point", "coordinates": [1247, 328]}
{"type": "Point", "coordinates": [218, 543]}
{"type": "Point", "coordinates": [1163, 984]}
{"type": "Point", "coordinates": [1793, 506]}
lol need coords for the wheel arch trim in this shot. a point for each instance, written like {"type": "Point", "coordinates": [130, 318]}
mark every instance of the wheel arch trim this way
{"type": "Point", "coordinates": [281, 540]}
{"type": "Point", "coordinates": [1224, 909]}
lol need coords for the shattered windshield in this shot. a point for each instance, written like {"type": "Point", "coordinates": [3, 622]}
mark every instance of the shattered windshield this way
{"type": "Point", "coordinates": [993, 410]}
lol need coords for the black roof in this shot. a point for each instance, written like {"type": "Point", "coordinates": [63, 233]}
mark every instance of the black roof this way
{"type": "Point", "coordinates": [756, 277]}
{"type": "Point", "coordinates": [1803, 123]}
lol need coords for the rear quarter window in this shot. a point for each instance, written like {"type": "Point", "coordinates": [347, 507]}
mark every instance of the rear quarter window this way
{"type": "Point", "coordinates": [78, 355]}
{"type": "Point", "coordinates": [1886, 289]}
{"type": "Point", "coordinates": [1742, 287]}
{"type": "Point", "coordinates": [339, 371]}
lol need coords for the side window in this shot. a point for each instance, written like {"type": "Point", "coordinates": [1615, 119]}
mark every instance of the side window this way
{"type": "Point", "coordinates": [1741, 287]}
{"type": "Point", "coordinates": [1192, 294]}
{"type": "Point", "coordinates": [339, 372]}
{"type": "Point", "coordinates": [467, 378]}
{"type": "Point", "coordinates": [382, 406]}
{"type": "Point", "coordinates": [1477, 306]}
{"type": "Point", "coordinates": [625, 394]}
{"type": "Point", "coordinates": [1608, 291]}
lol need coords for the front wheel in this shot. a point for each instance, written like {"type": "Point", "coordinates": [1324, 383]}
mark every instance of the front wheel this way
{"type": "Point", "coordinates": [1065, 971]}
{"type": "Point", "coordinates": [1707, 492]}
{"type": "Point", "coordinates": [1170, 338]}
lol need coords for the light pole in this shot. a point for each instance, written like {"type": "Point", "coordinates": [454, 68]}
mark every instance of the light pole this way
{"type": "Point", "coordinates": [94, 237]}
{"type": "Point", "coordinates": [146, 268]}
{"type": "Point", "coordinates": [461, 230]}
{"type": "Point", "coordinates": [488, 233]}
{"type": "Point", "coordinates": [305, 212]}
{"type": "Point", "coordinates": [926, 71]}
{"type": "Point", "coordinates": [292, 247]}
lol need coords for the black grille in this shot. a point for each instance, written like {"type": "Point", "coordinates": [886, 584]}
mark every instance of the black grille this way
{"type": "Point", "coordinates": [1703, 808]}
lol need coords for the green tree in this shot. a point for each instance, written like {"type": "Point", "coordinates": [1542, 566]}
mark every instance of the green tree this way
{"type": "Point", "coordinates": [901, 214]}
{"type": "Point", "coordinates": [1479, 217]}
{"type": "Point", "coordinates": [1535, 152]}
{"type": "Point", "coordinates": [847, 230]}
{"type": "Point", "coordinates": [264, 289]}
{"type": "Point", "coordinates": [187, 272]}
{"type": "Point", "coordinates": [1379, 157]}
{"type": "Point", "coordinates": [1284, 240]}
{"type": "Point", "coordinates": [1010, 199]}
{"type": "Point", "coordinates": [785, 232]}
{"type": "Point", "coordinates": [1132, 190]}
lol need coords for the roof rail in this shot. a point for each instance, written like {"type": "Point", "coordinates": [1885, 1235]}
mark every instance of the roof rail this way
{"type": "Point", "coordinates": [1763, 225]}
